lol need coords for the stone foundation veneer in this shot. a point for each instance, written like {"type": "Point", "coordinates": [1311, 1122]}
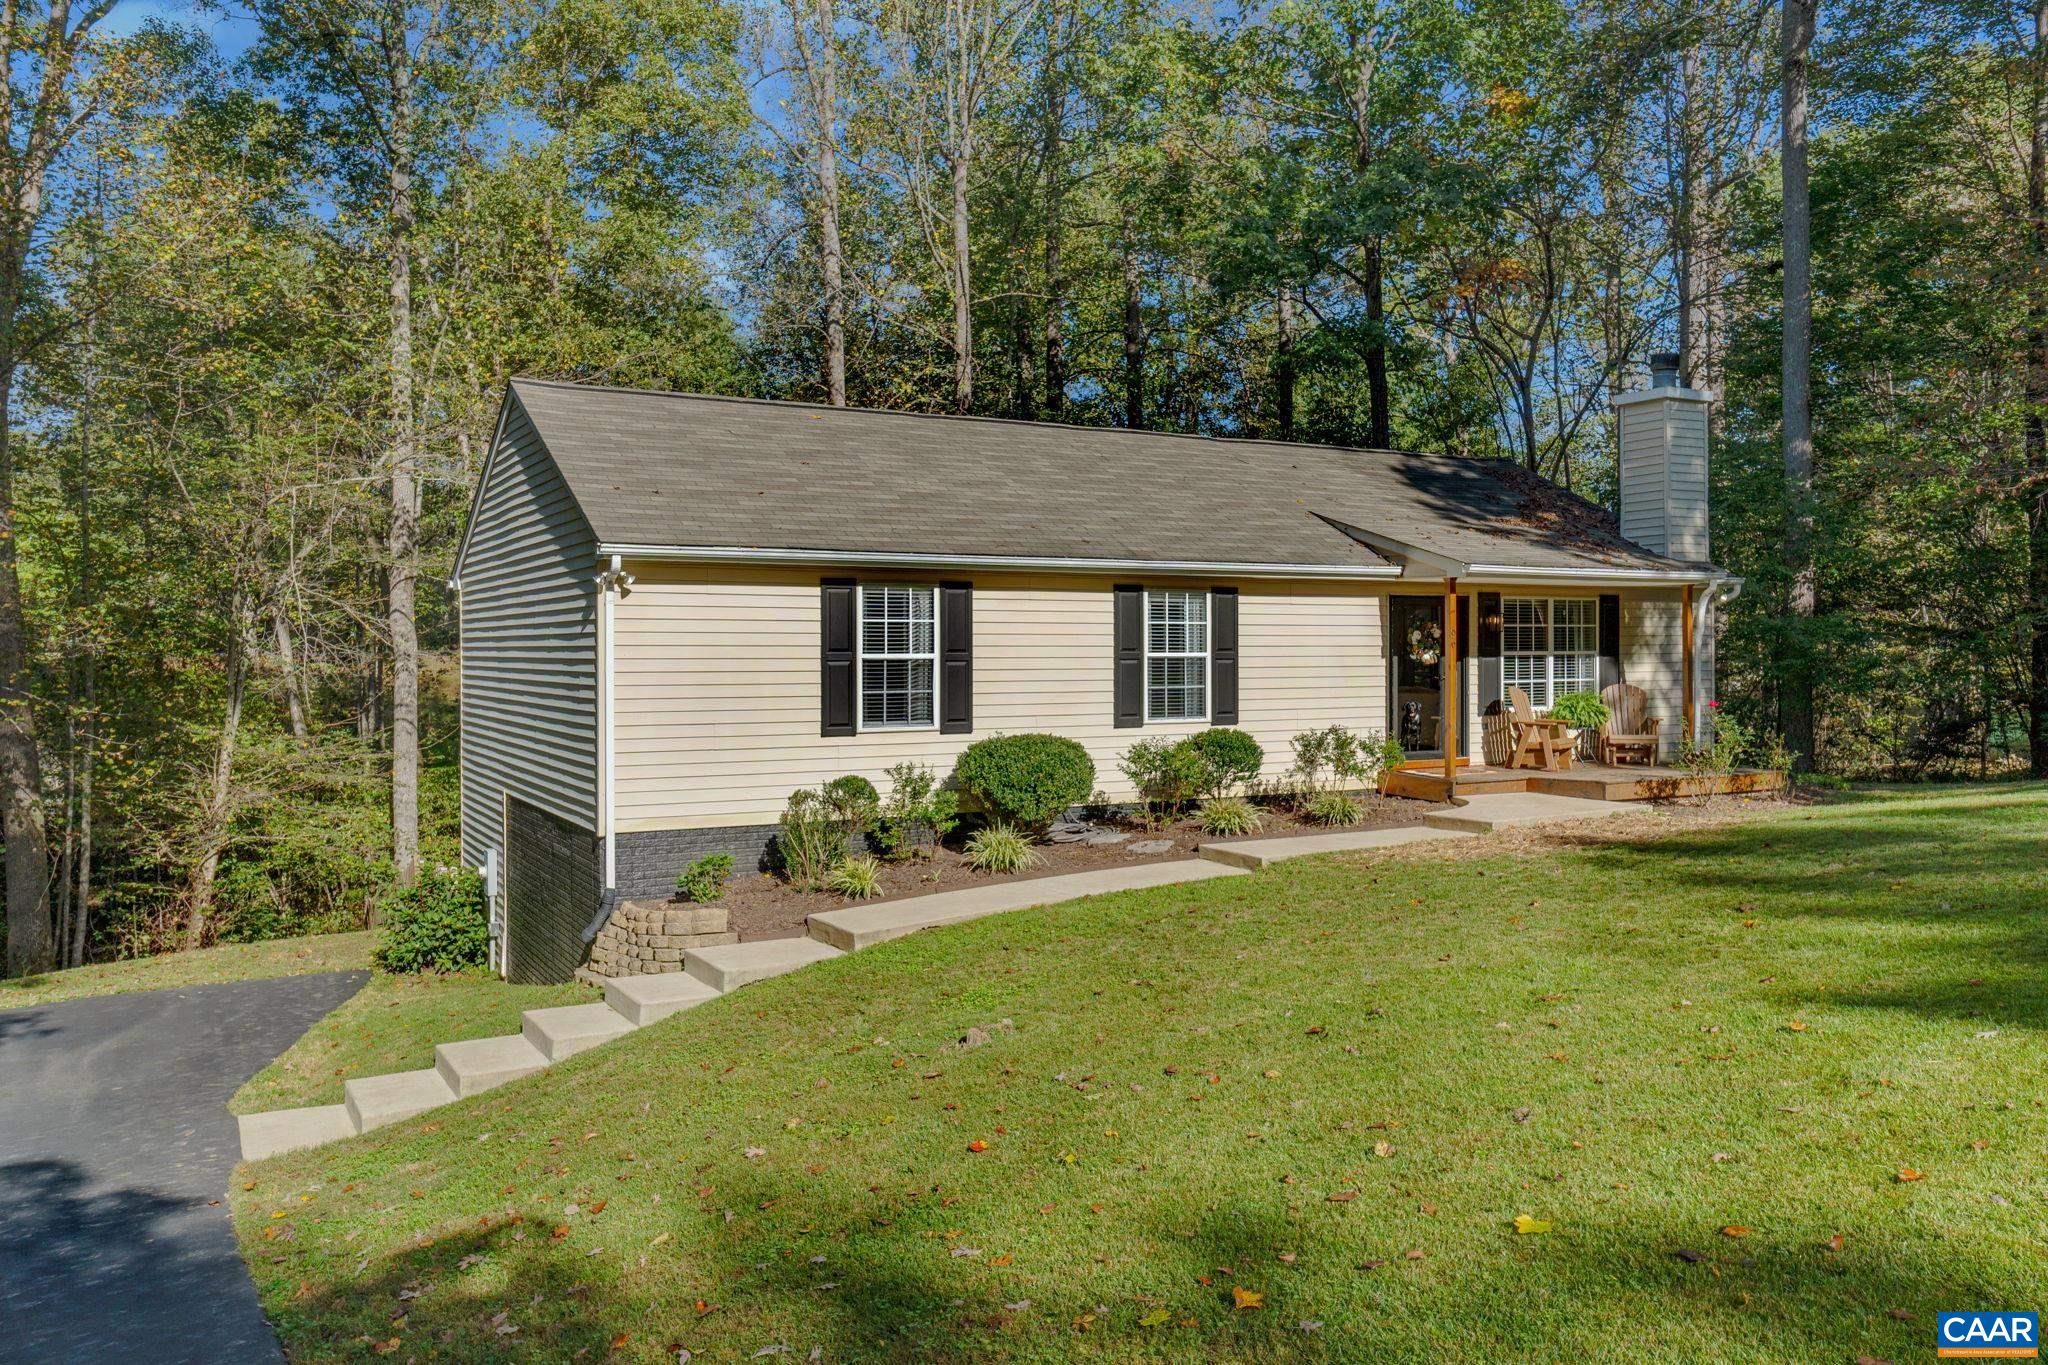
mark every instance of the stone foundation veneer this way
{"type": "Point", "coordinates": [650, 860]}
{"type": "Point", "coordinates": [643, 937]}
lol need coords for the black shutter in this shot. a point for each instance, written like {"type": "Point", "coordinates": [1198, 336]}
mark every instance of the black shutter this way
{"type": "Point", "coordinates": [1130, 656]}
{"type": "Point", "coordinates": [1489, 652]}
{"type": "Point", "coordinates": [956, 658]}
{"type": "Point", "coordinates": [835, 656]}
{"type": "Point", "coordinates": [1610, 639]}
{"type": "Point", "coordinates": [1223, 656]}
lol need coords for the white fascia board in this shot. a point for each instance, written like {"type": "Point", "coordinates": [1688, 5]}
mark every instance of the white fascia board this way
{"type": "Point", "coordinates": [1637, 578]}
{"type": "Point", "coordinates": [1649, 395]}
{"type": "Point", "coordinates": [744, 554]}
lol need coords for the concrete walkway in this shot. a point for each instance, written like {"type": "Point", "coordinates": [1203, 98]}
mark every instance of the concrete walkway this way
{"type": "Point", "coordinates": [549, 1035]}
{"type": "Point", "coordinates": [116, 1148]}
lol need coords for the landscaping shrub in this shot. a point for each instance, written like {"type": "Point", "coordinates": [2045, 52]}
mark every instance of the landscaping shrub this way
{"type": "Point", "coordinates": [1234, 758]}
{"type": "Point", "coordinates": [856, 879]}
{"type": "Point", "coordinates": [917, 815]}
{"type": "Point", "coordinates": [999, 848]}
{"type": "Point", "coordinates": [1332, 807]}
{"type": "Point", "coordinates": [704, 879]}
{"type": "Point", "coordinates": [438, 924]}
{"type": "Point", "coordinates": [811, 840]}
{"type": "Point", "coordinates": [1167, 774]}
{"type": "Point", "coordinates": [1337, 759]}
{"type": "Point", "coordinates": [1026, 780]}
{"type": "Point", "coordinates": [1230, 816]}
{"type": "Point", "coordinates": [853, 801]}
{"type": "Point", "coordinates": [1581, 710]}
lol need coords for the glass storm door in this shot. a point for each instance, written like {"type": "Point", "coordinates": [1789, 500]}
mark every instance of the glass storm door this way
{"type": "Point", "coordinates": [1416, 627]}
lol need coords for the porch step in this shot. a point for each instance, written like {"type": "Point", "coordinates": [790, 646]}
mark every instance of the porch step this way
{"type": "Point", "coordinates": [479, 1064]}
{"type": "Point", "coordinates": [740, 964]}
{"type": "Point", "coordinates": [863, 926]}
{"type": "Point", "coordinates": [291, 1130]}
{"type": "Point", "coordinates": [644, 999]}
{"type": "Point", "coordinates": [1484, 814]}
{"type": "Point", "coordinates": [566, 1030]}
{"type": "Point", "coordinates": [1253, 854]}
{"type": "Point", "coordinates": [375, 1101]}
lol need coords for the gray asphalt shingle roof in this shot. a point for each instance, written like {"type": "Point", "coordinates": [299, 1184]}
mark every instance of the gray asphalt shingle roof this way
{"type": "Point", "coordinates": [681, 470]}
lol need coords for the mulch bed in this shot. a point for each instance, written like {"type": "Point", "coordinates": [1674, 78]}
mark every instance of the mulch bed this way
{"type": "Point", "coordinates": [763, 906]}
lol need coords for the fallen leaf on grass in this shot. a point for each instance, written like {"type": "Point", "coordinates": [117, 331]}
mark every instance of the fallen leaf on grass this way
{"type": "Point", "coordinates": [1527, 1226]}
{"type": "Point", "coordinates": [1414, 1253]}
{"type": "Point", "coordinates": [1898, 1315]}
{"type": "Point", "coordinates": [1908, 1175]}
{"type": "Point", "coordinates": [1242, 1298]}
{"type": "Point", "coordinates": [1833, 1243]}
{"type": "Point", "coordinates": [1796, 1026]}
{"type": "Point", "coordinates": [1157, 1317]}
{"type": "Point", "coordinates": [977, 1146]}
{"type": "Point", "coordinates": [1341, 1197]}
{"type": "Point", "coordinates": [1689, 1256]}
{"type": "Point", "coordinates": [1735, 1230]}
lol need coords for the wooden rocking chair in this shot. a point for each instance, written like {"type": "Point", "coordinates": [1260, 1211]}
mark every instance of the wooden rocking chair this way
{"type": "Point", "coordinates": [1630, 734]}
{"type": "Point", "coordinates": [1539, 742]}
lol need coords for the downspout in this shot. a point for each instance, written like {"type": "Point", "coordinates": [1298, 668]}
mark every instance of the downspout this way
{"type": "Point", "coordinates": [607, 624]}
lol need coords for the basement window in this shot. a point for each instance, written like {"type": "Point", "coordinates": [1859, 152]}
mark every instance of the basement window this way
{"type": "Point", "coordinates": [1550, 646]}
{"type": "Point", "coordinates": [899, 650]}
{"type": "Point", "coordinates": [1176, 655]}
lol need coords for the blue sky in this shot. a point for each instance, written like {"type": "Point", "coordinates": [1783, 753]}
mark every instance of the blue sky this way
{"type": "Point", "coordinates": [230, 26]}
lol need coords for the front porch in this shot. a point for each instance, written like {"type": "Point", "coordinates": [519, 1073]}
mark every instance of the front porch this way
{"type": "Point", "coordinates": [1588, 781]}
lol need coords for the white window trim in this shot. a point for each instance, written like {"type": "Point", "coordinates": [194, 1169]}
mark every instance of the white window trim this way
{"type": "Point", "coordinates": [1549, 653]}
{"type": "Point", "coordinates": [860, 660]}
{"type": "Point", "coordinates": [1208, 657]}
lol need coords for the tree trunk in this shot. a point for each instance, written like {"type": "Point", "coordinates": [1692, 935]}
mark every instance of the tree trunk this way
{"type": "Point", "coordinates": [828, 207]}
{"type": "Point", "coordinates": [1379, 427]}
{"type": "Point", "coordinates": [1053, 135]}
{"type": "Point", "coordinates": [1134, 339]}
{"type": "Point", "coordinates": [2037, 405]}
{"type": "Point", "coordinates": [1283, 361]}
{"type": "Point", "coordinates": [21, 772]}
{"type": "Point", "coordinates": [1796, 705]}
{"type": "Point", "coordinates": [214, 821]}
{"type": "Point", "coordinates": [82, 861]}
{"type": "Point", "coordinates": [288, 669]}
{"type": "Point", "coordinates": [403, 546]}
{"type": "Point", "coordinates": [963, 276]}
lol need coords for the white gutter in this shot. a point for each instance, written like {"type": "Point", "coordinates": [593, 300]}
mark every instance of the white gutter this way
{"type": "Point", "coordinates": [609, 584]}
{"type": "Point", "coordinates": [741, 554]}
{"type": "Point", "coordinates": [1639, 577]}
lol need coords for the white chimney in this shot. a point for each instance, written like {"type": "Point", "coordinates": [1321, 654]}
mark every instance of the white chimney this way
{"type": "Point", "coordinates": [1664, 464]}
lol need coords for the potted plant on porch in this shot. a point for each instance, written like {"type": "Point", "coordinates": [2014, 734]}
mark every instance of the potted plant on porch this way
{"type": "Point", "coordinates": [1583, 712]}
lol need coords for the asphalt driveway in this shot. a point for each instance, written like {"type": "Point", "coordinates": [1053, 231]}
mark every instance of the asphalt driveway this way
{"type": "Point", "coordinates": [116, 1148]}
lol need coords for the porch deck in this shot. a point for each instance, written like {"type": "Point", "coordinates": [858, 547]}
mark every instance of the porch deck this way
{"type": "Point", "coordinates": [1589, 781]}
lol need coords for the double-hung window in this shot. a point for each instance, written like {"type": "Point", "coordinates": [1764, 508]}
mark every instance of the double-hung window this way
{"type": "Point", "coordinates": [1176, 655]}
{"type": "Point", "coordinates": [899, 650]}
{"type": "Point", "coordinates": [1550, 646]}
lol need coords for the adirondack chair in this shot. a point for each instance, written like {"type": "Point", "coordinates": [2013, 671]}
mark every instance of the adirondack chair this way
{"type": "Point", "coordinates": [1539, 742]}
{"type": "Point", "coordinates": [1630, 734]}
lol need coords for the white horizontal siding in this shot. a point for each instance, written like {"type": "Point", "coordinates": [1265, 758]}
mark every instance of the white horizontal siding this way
{"type": "Point", "coordinates": [529, 646]}
{"type": "Point", "coordinates": [717, 681]}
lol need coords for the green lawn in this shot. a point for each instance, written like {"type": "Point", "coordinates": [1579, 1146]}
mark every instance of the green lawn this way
{"type": "Point", "coordinates": [392, 1024]}
{"type": "Point", "coordinates": [229, 962]}
{"type": "Point", "coordinates": [1333, 1086]}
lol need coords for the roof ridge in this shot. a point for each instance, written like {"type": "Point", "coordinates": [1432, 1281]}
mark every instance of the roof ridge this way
{"type": "Point", "coordinates": [753, 401]}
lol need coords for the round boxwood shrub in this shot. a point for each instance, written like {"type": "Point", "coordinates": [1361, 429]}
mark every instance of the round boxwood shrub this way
{"type": "Point", "coordinates": [1026, 780]}
{"type": "Point", "coordinates": [438, 924]}
{"type": "Point", "coordinates": [1234, 757]}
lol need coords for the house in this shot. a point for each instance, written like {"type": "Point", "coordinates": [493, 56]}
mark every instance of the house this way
{"type": "Point", "coordinates": [676, 610]}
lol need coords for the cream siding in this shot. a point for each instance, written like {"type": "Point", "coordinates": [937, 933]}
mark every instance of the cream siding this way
{"type": "Point", "coordinates": [717, 679]}
{"type": "Point", "coordinates": [529, 646]}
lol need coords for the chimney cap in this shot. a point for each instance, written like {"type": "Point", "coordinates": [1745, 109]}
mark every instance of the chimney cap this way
{"type": "Point", "coordinates": [1663, 369]}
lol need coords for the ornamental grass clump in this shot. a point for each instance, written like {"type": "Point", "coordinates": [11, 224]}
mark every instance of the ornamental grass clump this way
{"type": "Point", "coordinates": [1230, 816]}
{"type": "Point", "coordinates": [999, 849]}
{"type": "Point", "coordinates": [857, 879]}
{"type": "Point", "coordinates": [1332, 808]}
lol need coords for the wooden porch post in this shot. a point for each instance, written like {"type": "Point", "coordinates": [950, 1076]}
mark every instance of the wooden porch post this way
{"type": "Point", "coordinates": [1451, 713]}
{"type": "Point", "coordinates": [1688, 683]}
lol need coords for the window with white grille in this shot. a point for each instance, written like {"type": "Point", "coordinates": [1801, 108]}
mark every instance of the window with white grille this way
{"type": "Point", "coordinates": [899, 650]}
{"type": "Point", "coordinates": [1176, 655]}
{"type": "Point", "coordinates": [1550, 646]}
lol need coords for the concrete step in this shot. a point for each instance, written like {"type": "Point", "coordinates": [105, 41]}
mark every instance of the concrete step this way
{"type": "Point", "coordinates": [739, 964]}
{"type": "Point", "coordinates": [479, 1064]}
{"type": "Point", "coordinates": [375, 1101]}
{"type": "Point", "coordinates": [644, 999]}
{"type": "Point", "coordinates": [566, 1030]}
{"type": "Point", "coordinates": [1254, 854]}
{"type": "Point", "coordinates": [1484, 814]}
{"type": "Point", "coordinates": [862, 926]}
{"type": "Point", "coordinates": [291, 1130]}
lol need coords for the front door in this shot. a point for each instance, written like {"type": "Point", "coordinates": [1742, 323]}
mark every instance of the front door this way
{"type": "Point", "coordinates": [1415, 674]}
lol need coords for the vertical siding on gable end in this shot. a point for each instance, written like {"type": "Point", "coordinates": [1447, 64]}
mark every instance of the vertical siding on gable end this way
{"type": "Point", "coordinates": [529, 647]}
{"type": "Point", "coordinates": [717, 683]}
